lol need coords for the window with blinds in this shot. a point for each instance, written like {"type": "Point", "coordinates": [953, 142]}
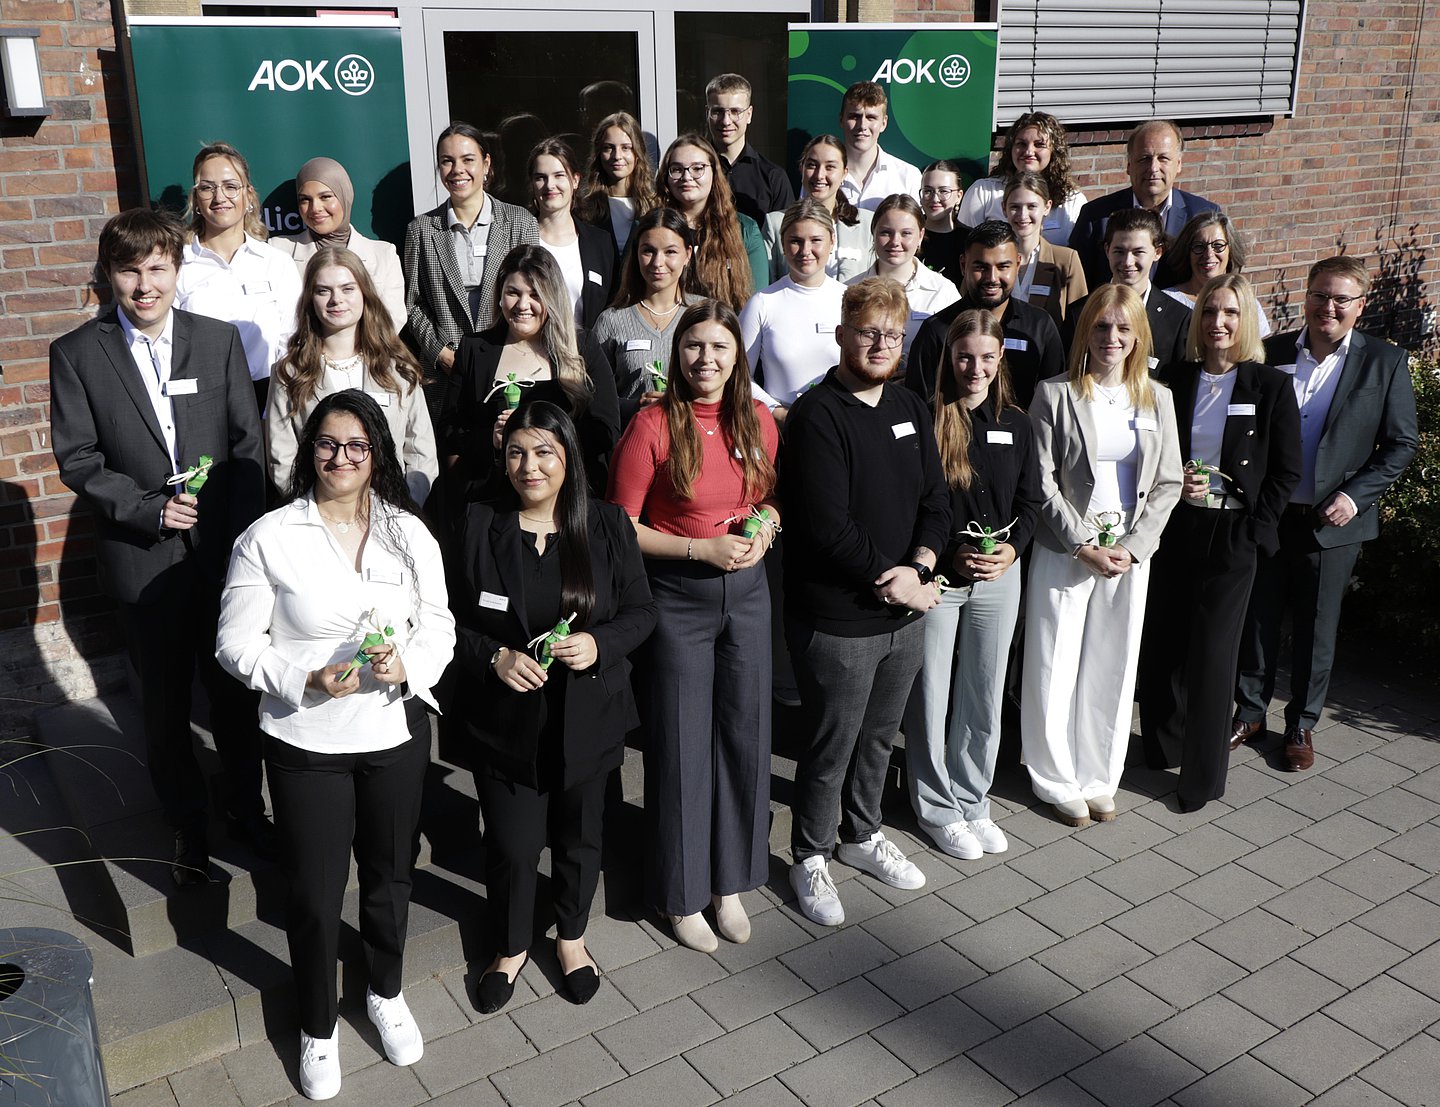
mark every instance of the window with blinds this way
{"type": "Point", "coordinates": [1101, 61]}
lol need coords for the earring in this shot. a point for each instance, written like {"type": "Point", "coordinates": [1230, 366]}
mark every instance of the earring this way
{"type": "Point", "coordinates": [249, 208]}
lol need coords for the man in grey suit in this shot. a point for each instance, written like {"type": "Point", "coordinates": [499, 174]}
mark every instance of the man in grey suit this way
{"type": "Point", "coordinates": [1358, 431]}
{"type": "Point", "coordinates": [137, 396]}
{"type": "Point", "coordinates": [1154, 156]}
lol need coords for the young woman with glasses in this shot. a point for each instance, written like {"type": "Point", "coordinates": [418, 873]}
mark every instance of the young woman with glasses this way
{"type": "Point", "coordinates": [1208, 246]}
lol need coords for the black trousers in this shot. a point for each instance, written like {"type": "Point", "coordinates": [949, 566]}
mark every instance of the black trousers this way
{"type": "Point", "coordinates": [168, 642]}
{"type": "Point", "coordinates": [325, 805]}
{"type": "Point", "coordinates": [1199, 590]}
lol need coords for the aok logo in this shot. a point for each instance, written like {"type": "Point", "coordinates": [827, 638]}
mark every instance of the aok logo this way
{"type": "Point", "coordinates": [353, 74]}
{"type": "Point", "coordinates": [954, 71]}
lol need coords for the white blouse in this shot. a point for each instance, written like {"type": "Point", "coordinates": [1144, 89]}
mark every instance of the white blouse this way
{"type": "Point", "coordinates": [257, 290]}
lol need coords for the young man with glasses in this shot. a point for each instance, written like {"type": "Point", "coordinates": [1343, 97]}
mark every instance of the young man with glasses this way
{"type": "Point", "coordinates": [871, 510]}
{"type": "Point", "coordinates": [137, 398]}
{"type": "Point", "coordinates": [1358, 431]}
{"type": "Point", "coordinates": [760, 186]}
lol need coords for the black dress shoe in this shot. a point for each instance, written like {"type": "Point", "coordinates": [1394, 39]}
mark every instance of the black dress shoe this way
{"type": "Point", "coordinates": [495, 989]}
{"type": "Point", "coordinates": [191, 866]}
{"type": "Point", "coordinates": [581, 984]}
{"type": "Point", "coordinates": [257, 832]}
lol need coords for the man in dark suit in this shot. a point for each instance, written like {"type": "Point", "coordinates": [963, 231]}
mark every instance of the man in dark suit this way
{"type": "Point", "coordinates": [137, 396]}
{"type": "Point", "coordinates": [1358, 431]}
{"type": "Point", "coordinates": [760, 186]}
{"type": "Point", "coordinates": [1153, 157]}
{"type": "Point", "coordinates": [1134, 242]}
{"type": "Point", "coordinates": [1033, 350]}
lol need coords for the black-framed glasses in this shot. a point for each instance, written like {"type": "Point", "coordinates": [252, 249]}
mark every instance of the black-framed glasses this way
{"type": "Point", "coordinates": [1200, 249]}
{"type": "Point", "coordinates": [680, 172]}
{"type": "Point", "coordinates": [229, 189]}
{"type": "Point", "coordinates": [1320, 299]}
{"type": "Point", "coordinates": [356, 451]}
{"type": "Point", "coordinates": [886, 340]}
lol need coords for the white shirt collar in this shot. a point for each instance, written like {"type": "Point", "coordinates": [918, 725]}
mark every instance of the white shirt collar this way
{"type": "Point", "coordinates": [1302, 345]}
{"type": "Point", "coordinates": [167, 335]}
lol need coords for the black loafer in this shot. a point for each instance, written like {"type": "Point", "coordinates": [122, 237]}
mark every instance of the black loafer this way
{"type": "Point", "coordinates": [495, 989]}
{"type": "Point", "coordinates": [191, 866]}
{"type": "Point", "coordinates": [582, 984]}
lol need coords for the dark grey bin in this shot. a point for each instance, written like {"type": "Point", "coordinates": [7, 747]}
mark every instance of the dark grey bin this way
{"type": "Point", "coordinates": [49, 1043]}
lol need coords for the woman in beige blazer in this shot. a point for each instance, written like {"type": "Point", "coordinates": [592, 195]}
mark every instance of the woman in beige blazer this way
{"type": "Point", "coordinates": [1110, 474]}
{"type": "Point", "coordinates": [1051, 277]}
{"type": "Point", "coordinates": [325, 197]}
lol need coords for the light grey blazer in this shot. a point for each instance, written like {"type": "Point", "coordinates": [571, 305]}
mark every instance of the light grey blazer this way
{"type": "Point", "coordinates": [1065, 438]}
{"type": "Point", "coordinates": [381, 262]}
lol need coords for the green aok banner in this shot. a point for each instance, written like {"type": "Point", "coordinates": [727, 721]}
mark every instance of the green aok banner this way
{"type": "Point", "coordinates": [940, 82]}
{"type": "Point", "coordinates": [281, 92]}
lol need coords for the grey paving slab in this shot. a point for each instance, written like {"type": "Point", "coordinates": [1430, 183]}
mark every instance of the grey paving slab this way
{"type": "Point", "coordinates": [662, 1085]}
{"type": "Point", "coordinates": [839, 1014]}
{"type": "Point", "coordinates": [1419, 847]}
{"type": "Point", "coordinates": [1284, 993]}
{"type": "Point", "coordinates": [1429, 889]}
{"type": "Point", "coordinates": [665, 976]}
{"type": "Point", "coordinates": [1346, 834]}
{"type": "Point", "coordinates": [990, 893]}
{"type": "Point", "coordinates": [260, 1074]}
{"type": "Point", "coordinates": [379, 1083]}
{"type": "Point", "coordinates": [1165, 812]}
{"type": "Point", "coordinates": [1317, 1052]}
{"type": "Point", "coordinates": [1398, 809]}
{"type": "Point", "coordinates": [1058, 1093]}
{"type": "Point", "coordinates": [1318, 906]}
{"type": "Point", "coordinates": [1385, 1011]}
{"type": "Point", "coordinates": [1425, 784]}
{"type": "Point", "coordinates": [1369, 774]}
{"type": "Point", "coordinates": [1003, 940]}
{"type": "Point", "coordinates": [934, 1033]}
{"type": "Point", "coordinates": [917, 924]}
{"type": "Point", "coordinates": [1343, 742]}
{"type": "Point", "coordinates": [1090, 958]}
{"type": "Point", "coordinates": [659, 1034]}
{"type": "Point", "coordinates": [566, 1073]}
{"type": "Point", "coordinates": [1143, 877]}
{"type": "Point", "coordinates": [1409, 921]}
{"type": "Point", "coordinates": [1255, 938]}
{"type": "Point", "coordinates": [155, 1094]}
{"type": "Point", "coordinates": [1114, 1012]}
{"type": "Point", "coordinates": [1318, 796]}
{"type": "Point", "coordinates": [554, 1020]}
{"type": "Point", "coordinates": [1354, 1092]}
{"type": "Point", "coordinates": [1243, 1081]}
{"type": "Point", "coordinates": [1139, 1073]}
{"type": "Point", "coordinates": [837, 957]}
{"type": "Point", "coordinates": [1075, 907]}
{"type": "Point", "coordinates": [1245, 784]}
{"type": "Point", "coordinates": [1421, 972]}
{"type": "Point", "coordinates": [461, 1058]}
{"type": "Point", "coordinates": [1350, 955]}
{"type": "Point", "coordinates": [1163, 923]}
{"type": "Point", "coordinates": [1128, 836]}
{"type": "Point", "coordinates": [1228, 891]}
{"type": "Point", "coordinates": [1204, 848]}
{"type": "Point", "coordinates": [1017, 994]}
{"type": "Point", "coordinates": [751, 994]}
{"type": "Point", "coordinates": [1187, 974]}
{"type": "Point", "coordinates": [771, 934]}
{"type": "Point", "coordinates": [1415, 751]}
{"type": "Point", "coordinates": [1263, 822]}
{"type": "Point", "coordinates": [205, 1085]}
{"type": "Point", "coordinates": [846, 1076]}
{"type": "Point", "coordinates": [767, 1093]}
{"type": "Point", "coordinates": [1289, 862]}
{"type": "Point", "coordinates": [615, 943]}
{"type": "Point", "coordinates": [1036, 827]}
{"type": "Point", "coordinates": [925, 975]}
{"type": "Point", "coordinates": [959, 1080]}
{"type": "Point", "coordinates": [1213, 1032]}
{"type": "Point", "coordinates": [1377, 876]}
{"type": "Point", "coordinates": [1032, 1054]}
{"type": "Point", "coordinates": [749, 1055]}
{"type": "Point", "coordinates": [1060, 862]}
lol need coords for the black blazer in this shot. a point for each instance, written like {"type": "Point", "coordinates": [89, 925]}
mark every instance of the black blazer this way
{"type": "Point", "coordinates": [597, 258]}
{"type": "Point", "coordinates": [1169, 321]}
{"type": "Point", "coordinates": [1260, 451]}
{"type": "Point", "coordinates": [1371, 431]}
{"type": "Point", "coordinates": [489, 596]}
{"type": "Point", "coordinates": [112, 454]}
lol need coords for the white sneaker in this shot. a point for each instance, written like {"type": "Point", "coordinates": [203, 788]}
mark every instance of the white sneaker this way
{"type": "Point", "coordinates": [320, 1065]}
{"type": "Point", "coordinates": [881, 858]}
{"type": "Point", "coordinates": [815, 891]}
{"type": "Point", "coordinates": [956, 840]}
{"type": "Point", "coordinates": [991, 838]}
{"type": "Point", "coordinates": [398, 1032]}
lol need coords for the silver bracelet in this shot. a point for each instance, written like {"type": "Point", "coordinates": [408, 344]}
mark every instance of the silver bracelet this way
{"type": "Point", "coordinates": [690, 551]}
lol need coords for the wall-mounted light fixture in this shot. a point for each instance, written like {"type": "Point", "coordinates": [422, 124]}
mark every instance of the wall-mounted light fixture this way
{"type": "Point", "coordinates": [20, 57]}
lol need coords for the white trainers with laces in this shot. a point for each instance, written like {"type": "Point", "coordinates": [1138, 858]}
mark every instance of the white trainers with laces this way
{"type": "Point", "coordinates": [398, 1032]}
{"type": "Point", "coordinates": [991, 838]}
{"type": "Point", "coordinates": [320, 1065]}
{"type": "Point", "coordinates": [815, 891]}
{"type": "Point", "coordinates": [881, 858]}
{"type": "Point", "coordinates": [956, 840]}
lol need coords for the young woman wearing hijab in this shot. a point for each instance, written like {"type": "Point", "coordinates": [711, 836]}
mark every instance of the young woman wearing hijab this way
{"type": "Point", "coordinates": [326, 198]}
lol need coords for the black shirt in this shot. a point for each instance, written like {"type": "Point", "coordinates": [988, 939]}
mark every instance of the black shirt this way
{"type": "Point", "coordinates": [1033, 351]}
{"type": "Point", "coordinates": [1169, 321]}
{"type": "Point", "coordinates": [1004, 482]}
{"type": "Point", "coordinates": [862, 488]}
{"type": "Point", "coordinates": [944, 252]}
{"type": "Point", "coordinates": [760, 186]}
{"type": "Point", "coordinates": [542, 612]}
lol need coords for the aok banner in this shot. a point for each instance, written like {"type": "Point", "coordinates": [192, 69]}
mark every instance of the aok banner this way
{"type": "Point", "coordinates": [940, 83]}
{"type": "Point", "coordinates": [281, 92]}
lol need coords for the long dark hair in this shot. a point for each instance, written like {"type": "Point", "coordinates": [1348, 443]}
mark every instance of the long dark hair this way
{"type": "Point", "coordinates": [594, 205]}
{"type": "Point", "coordinates": [632, 282]}
{"type": "Point", "coordinates": [844, 211]}
{"type": "Point", "coordinates": [722, 268]}
{"type": "Point", "coordinates": [572, 506]}
{"type": "Point", "coordinates": [953, 430]}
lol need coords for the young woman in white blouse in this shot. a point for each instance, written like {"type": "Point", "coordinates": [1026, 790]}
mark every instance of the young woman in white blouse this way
{"type": "Point", "coordinates": [229, 271]}
{"type": "Point", "coordinates": [347, 740]}
{"type": "Point", "coordinates": [789, 328]}
{"type": "Point", "coordinates": [1036, 143]}
{"type": "Point", "coordinates": [585, 254]}
{"type": "Point", "coordinates": [899, 228]}
{"type": "Point", "coordinates": [1110, 475]}
{"type": "Point", "coordinates": [822, 172]}
{"type": "Point", "coordinates": [343, 339]}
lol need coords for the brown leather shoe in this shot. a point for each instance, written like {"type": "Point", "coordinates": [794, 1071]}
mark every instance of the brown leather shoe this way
{"type": "Point", "coordinates": [1242, 732]}
{"type": "Point", "coordinates": [1299, 748]}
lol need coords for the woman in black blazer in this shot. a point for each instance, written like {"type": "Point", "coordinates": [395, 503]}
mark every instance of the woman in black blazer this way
{"type": "Point", "coordinates": [1239, 432]}
{"type": "Point", "coordinates": [535, 340]}
{"type": "Point", "coordinates": [546, 736]}
{"type": "Point", "coordinates": [585, 254]}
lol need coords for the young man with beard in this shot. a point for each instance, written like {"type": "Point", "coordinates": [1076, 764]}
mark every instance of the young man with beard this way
{"type": "Point", "coordinates": [1033, 350]}
{"type": "Point", "coordinates": [871, 507]}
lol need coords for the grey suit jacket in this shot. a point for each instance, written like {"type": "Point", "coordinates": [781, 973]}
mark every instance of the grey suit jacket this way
{"type": "Point", "coordinates": [112, 454]}
{"type": "Point", "coordinates": [1371, 430]}
{"type": "Point", "coordinates": [1065, 438]}
{"type": "Point", "coordinates": [436, 304]}
{"type": "Point", "coordinates": [380, 260]}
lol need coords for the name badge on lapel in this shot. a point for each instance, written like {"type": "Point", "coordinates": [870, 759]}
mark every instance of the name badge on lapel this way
{"type": "Point", "coordinates": [1287, 368]}
{"type": "Point", "coordinates": [1240, 409]}
{"type": "Point", "coordinates": [1153, 362]}
{"type": "Point", "coordinates": [494, 602]}
{"type": "Point", "coordinates": [381, 398]}
{"type": "Point", "coordinates": [900, 430]}
{"type": "Point", "coordinates": [594, 277]}
{"type": "Point", "coordinates": [181, 386]}
{"type": "Point", "coordinates": [385, 576]}
{"type": "Point", "coordinates": [1004, 438]}
{"type": "Point", "coordinates": [1021, 344]}
{"type": "Point", "coordinates": [1039, 290]}
{"type": "Point", "coordinates": [1145, 423]}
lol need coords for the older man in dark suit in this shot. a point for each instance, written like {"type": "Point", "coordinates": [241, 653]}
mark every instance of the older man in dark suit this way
{"type": "Point", "coordinates": [1153, 159]}
{"type": "Point", "coordinates": [1358, 431]}
{"type": "Point", "coordinates": [138, 396]}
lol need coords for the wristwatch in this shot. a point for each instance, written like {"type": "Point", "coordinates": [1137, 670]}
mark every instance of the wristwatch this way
{"type": "Point", "coordinates": [495, 657]}
{"type": "Point", "coordinates": [923, 571]}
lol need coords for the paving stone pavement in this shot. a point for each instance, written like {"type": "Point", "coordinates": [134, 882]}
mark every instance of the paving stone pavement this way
{"type": "Point", "coordinates": [1282, 946]}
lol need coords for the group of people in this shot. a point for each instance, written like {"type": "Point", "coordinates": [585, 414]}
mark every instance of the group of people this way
{"type": "Point", "coordinates": [528, 470]}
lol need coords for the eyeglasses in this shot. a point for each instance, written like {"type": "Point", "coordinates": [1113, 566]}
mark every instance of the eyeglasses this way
{"type": "Point", "coordinates": [230, 189]}
{"type": "Point", "coordinates": [355, 452]}
{"type": "Point", "coordinates": [943, 193]}
{"type": "Point", "coordinates": [886, 340]}
{"type": "Point", "coordinates": [680, 172]}
{"type": "Point", "coordinates": [1319, 299]}
{"type": "Point", "coordinates": [725, 113]}
{"type": "Point", "coordinates": [1200, 249]}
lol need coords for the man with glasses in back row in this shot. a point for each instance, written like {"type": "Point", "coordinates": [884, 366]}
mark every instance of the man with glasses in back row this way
{"type": "Point", "coordinates": [760, 186]}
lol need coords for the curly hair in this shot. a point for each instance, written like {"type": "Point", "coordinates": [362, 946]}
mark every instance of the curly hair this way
{"type": "Point", "coordinates": [1057, 173]}
{"type": "Point", "coordinates": [722, 268]}
{"type": "Point", "coordinates": [254, 225]}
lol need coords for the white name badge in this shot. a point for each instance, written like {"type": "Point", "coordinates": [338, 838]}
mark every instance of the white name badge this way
{"type": "Point", "coordinates": [637, 344]}
{"type": "Point", "coordinates": [181, 386]}
{"type": "Point", "coordinates": [825, 328]}
{"type": "Point", "coordinates": [1240, 409]}
{"type": "Point", "coordinates": [494, 602]}
{"type": "Point", "coordinates": [381, 398]}
{"type": "Point", "coordinates": [385, 576]}
{"type": "Point", "coordinates": [900, 430]}
{"type": "Point", "coordinates": [1154, 363]}
{"type": "Point", "coordinates": [1020, 344]}
{"type": "Point", "coordinates": [1144, 423]}
{"type": "Point", "coordinates": [255, 288]}
{"type": "Point", "coordinates": [1005, 438]}
{"type": "Point", "coordinates": [847, 252]}
{"type": "Point", "coordinates": [1039, 290]}
{"type": "Point", "coordinates": [594, 277]}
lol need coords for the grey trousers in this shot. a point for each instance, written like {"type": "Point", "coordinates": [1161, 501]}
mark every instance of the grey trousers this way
{"type": "Point", "coordinates": [707, 756]}
{"type": "Point", "coordinates": [853, 693]}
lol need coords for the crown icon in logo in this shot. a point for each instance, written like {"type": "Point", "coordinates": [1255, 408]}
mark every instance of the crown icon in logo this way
{"type": "Point", "coordinates": [354, 74]}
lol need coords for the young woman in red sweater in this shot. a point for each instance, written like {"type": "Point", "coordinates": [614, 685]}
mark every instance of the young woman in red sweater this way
{"type": "Point", "coordinates": [688, 471]}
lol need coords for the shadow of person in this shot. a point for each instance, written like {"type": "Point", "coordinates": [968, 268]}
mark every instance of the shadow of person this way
{"type": "Point", "coordinates": [392, 205]}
